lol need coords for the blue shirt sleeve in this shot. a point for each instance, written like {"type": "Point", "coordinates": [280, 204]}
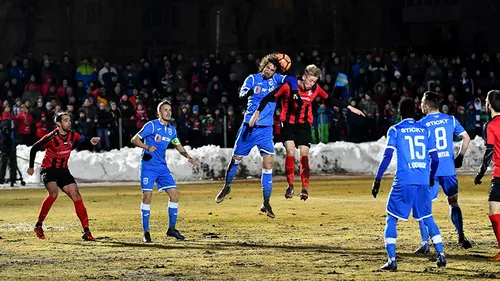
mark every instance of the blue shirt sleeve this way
{"type": "Point", "coordinates": [391, 138]}
{"type": "Point", "coordinates": [247, 85]}
{"type": "Point", "coordinates": [146, 130]}
{"type": "Point", "coordinates": [458, 127]}
{"type": "Point", "coordinates": [389, 150]}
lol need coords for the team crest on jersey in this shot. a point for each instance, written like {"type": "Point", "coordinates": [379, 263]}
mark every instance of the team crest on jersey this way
{"type": "Point", "coordinates": [145, 181]}
{"type": "Point", "coordinates": [158, 138]}
{"type": "Point", "coordinates": [169, 131]}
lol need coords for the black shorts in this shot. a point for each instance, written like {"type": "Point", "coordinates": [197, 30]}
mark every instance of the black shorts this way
{"type": "Point", "coordinates": [61, 176]}
{"type": "Point", "coordinates": [299, 133]}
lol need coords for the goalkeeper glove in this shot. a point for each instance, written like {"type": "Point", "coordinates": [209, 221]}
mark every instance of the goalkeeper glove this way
{"type": "Point", "coordinates": [458, 161]}
{"type": "Point", "coordinates": [375, 187]}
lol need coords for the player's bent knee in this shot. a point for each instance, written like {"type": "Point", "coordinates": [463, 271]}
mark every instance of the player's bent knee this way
{"type": "Point", "coordinates": [453, 200]}
{"type": "Point", "coordinates": [173, 195]}
{"type": "Point", "coordinates": [238, 158]}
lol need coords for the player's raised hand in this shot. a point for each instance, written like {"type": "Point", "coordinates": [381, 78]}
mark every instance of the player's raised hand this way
{"type": "Point", "coordinates": [375, 187]}
{"type": "Point", "coordinates": [30, 171]}
{"type": "Point", "coordinates": [355, 110]}
{"type": "Point", "coordinates": [477, 179]}
{"type": "Point", "coordinates": [95, 140]}
{"type": "Point", "coordinates": [254, 119]}
{"type": "Point", "coordinates": [459, 160]}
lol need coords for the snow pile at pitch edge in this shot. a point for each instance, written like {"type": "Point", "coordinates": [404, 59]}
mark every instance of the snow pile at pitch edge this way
{"type": "Point", "coordinates": [333, 158]}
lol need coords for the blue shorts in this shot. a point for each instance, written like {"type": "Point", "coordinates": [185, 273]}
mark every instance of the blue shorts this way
{"type": "Point", "coordinates": [405, 198]}
{"type": "Point", "coordinates": [162, 177]}
{"type": "Point", "coordinates": [248, 137]}
{"type": "Point", "coordinates": [449, 185]}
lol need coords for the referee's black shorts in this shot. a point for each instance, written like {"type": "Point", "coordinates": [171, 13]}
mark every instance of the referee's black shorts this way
{"type": "Point", "coordinates": [299, 133]}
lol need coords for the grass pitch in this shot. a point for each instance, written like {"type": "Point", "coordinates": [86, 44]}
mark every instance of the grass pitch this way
{"type": "Point", "coordinates": [337, 234]}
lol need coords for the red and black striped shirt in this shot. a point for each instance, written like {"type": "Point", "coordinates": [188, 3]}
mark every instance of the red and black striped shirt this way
{"type": "Point", "coordinates": [291, 111]}
{"type": "Point", "coordinates": [57, 149]}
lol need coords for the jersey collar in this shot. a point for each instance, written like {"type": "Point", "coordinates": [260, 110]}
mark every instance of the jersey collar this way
{"type": "Point", "coordinates": [159, 121]}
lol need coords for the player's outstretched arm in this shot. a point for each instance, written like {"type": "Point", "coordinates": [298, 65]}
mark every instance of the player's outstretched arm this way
{"type": "Point", "coordinates": [34, 149]}
{"type": "Point", "coordinates": [386, 160]}
{"type": "Point", "coordinates": [183, 151]}
{"type": "Point", "coordinates": [331, 100]}
{"type": "Point", "coordinates": [93, 141]}
{"type": "Point", "coordinates": [463, 148]}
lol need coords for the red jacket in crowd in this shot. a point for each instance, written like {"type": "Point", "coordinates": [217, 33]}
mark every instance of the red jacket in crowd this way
{"type": "Point", "coordinates": [42, 128]}
{"type": "Point", "coordinates": [24, 121]}
{"type": "Point", "coordinates": [141, 115]}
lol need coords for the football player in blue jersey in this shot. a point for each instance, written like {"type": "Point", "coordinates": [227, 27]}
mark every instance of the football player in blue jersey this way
{"type": "Point", "coordinates": [444, 127]}
{"type": "Point", "coordinates": [256, 87]}
{"type": "Point", "coordinates": [154, 138]}
{"type": "Point", "coordinates": [415, 174]}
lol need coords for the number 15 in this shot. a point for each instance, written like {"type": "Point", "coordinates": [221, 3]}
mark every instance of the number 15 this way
{"type": "Point", "coordinates": [416, 142]}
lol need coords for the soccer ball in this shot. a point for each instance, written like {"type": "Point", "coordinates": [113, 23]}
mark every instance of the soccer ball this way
{"type": "Point", "coordinates": [284, 61]}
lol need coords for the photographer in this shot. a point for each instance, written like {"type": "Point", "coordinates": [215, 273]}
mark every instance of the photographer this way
{"type": "Point", "coordinates": [7, 151]}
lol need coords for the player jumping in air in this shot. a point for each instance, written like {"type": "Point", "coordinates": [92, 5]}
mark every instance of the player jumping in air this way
{"type": "Point", "coordinates": [256, 87]}
{"type": "Point", "coordinates": [157, 135]}
{"type": "Point", "coordinates": [492, 142]}
{"type": "Point", "coordinates": [444, 127]}
{"type": "Point", "coordinates": [410, 191]}
{"type": "Point", "coordinates": [55, 173]}
{"type": "Point", "coordinates": [296, 122]}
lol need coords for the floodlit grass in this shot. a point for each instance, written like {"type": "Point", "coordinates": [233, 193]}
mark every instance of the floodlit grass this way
{"type": "Point", "coordinates": [335, 235]}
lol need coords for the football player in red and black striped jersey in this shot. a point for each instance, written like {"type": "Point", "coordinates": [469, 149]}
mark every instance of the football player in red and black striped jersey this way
{"type": "Point", "coordinates": [55, 173]}
{"type": "Point", "coordinates": [296, 122]}
{"type": "Point", "coordinates": [492, 151]}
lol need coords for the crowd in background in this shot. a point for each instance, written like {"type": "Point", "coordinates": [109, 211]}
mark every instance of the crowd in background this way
{"type": "Point", "coordinates": [204, 93]}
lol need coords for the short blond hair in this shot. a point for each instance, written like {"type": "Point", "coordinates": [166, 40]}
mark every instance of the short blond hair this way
{"type": "Point", "coordinates": [312, 70]}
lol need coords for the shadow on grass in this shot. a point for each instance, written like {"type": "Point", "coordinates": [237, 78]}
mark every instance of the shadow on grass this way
{"type": "Point", "coordinates": [227, 246]}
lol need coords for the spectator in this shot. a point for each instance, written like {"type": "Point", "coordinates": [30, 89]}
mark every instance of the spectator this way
{"type": "Point", "coordinates": [103, 120]}
{"type": "Point", "coordinates": [42, 127]}
{"type": "Point", "coordinates": [24, 122]}
{"type": "Point", "coordinates": [85, 73]}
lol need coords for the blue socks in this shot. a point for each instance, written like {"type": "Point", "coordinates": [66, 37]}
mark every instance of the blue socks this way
{"type": "Point", "coordinates": [172, 214]}
{"type": "Point", "coordinates": [435, 234]}
{"type": "Point", "coordinates": [146, 212]}
{"type": "Point", "coordinates": [267, 184]}
{"type": "Point", "coordinates": [231, 170]}
{"type": "Point", "coordinates": [456, 217]}
{"type": "Point", "coordinates": [424, 232]}
{"type": "Point", "coordinates": [390, 235]}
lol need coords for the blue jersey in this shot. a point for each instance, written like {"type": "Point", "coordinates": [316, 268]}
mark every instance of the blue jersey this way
{"type": "Point", "coordinates": [444, 127]}
{"type": "Point", "coordinates": [412, 142]}
{"type": "Point", "coordinates": [261, 87]}
{"type": "Point", "coordinates": [159, 135]}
